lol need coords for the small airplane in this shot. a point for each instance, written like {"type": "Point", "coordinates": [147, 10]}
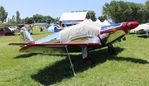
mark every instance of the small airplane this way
{"type": "Point", "coordinates": [84, 37]}
{"type": "Point", "coordinates": [142, 29]}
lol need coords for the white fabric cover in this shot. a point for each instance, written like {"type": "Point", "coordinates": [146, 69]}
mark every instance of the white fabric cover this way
{"type": "Point", "coordinates": [87, 28]}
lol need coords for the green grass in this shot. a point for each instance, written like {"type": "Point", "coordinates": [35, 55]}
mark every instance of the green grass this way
{"type": "Point", "coordinates": [130, 67]}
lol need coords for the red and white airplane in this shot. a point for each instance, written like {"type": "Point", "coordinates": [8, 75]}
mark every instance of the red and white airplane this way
{"type": "Point", "coordinates": [84, 36]}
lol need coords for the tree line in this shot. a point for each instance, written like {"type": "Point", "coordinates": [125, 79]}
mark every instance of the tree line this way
{"type": "Point", "coordinates": [37, 18]}
{"type": "Point", "coordinates": [119, 11]}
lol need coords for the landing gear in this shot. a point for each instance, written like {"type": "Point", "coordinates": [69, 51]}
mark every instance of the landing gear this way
{"type": "Point", "coordinates": [111, 49]}
{"type": "Point", "coordinates": [89, 60]}
{"type": "Point", "coordinates": [86, 57]}
{"type": "Point", "coordinates": [124, 38]}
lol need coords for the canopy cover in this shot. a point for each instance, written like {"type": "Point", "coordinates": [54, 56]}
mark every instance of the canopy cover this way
{"type": "Point", "coordinates": [87, 28]}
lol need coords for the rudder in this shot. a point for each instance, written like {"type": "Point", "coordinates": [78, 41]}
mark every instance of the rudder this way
{"type": "Point", "coordinates": [26, 35]}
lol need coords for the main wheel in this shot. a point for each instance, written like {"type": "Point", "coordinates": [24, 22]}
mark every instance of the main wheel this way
{"type": "Point", "coordinates": [111, 49]}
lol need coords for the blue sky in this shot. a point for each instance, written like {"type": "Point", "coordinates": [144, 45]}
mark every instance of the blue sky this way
{"type": "Point", "coordinates": [53, 8]}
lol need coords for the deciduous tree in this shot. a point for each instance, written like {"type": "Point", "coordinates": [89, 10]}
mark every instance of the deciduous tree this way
{"type": "Point", "coordinates": [92, 15]}
{"type": "Point", "coordinates": [120, 11]}
{"type": "Point", "coordinates": [3, 14]}
{"type": "Point", "coordinates": [18, 19]}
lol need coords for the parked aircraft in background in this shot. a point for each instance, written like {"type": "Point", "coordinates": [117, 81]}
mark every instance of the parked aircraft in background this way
{"type": "Point", "coordinates": [142, 29]}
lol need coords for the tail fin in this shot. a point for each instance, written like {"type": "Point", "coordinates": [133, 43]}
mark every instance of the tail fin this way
{"type": "Point", "coordinates": [26, 35]}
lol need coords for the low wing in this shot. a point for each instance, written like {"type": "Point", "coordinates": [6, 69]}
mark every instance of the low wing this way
{"type": "Point", "coordinates": [49, 47]}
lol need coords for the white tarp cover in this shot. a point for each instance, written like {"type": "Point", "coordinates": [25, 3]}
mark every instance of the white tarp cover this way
{"type": "Point", "coordinates": [87, 28]}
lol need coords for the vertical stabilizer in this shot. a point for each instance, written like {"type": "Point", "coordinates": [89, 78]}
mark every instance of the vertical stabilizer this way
{"type": "Point", "coordinates": [26, 35]}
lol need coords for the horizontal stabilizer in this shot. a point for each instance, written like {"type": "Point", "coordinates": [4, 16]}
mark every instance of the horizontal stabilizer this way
{"type": "Point", "coordinates": [42, 49]}
{"type": "Point", "coordinates": [18, 43]}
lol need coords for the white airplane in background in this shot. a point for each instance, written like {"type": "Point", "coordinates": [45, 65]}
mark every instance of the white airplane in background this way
{"type": "Point", "coordinates": [141, 29]}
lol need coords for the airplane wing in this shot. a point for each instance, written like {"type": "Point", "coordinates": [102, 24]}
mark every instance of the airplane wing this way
{"type": "Point", "coordinates": [91, 43]}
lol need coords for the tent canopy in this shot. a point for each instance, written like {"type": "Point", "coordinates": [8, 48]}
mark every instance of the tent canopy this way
{"type": "Point", "coordinates": [105, 22]}
{"type": "Point", "coordinates": [98, 22]}
{"type": "Point", "coordinates": [53, 28]}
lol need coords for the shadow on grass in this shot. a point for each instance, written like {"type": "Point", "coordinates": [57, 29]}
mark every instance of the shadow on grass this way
{"type": "Point", "coordinates": [33, 54]}
{"type": "Point", "coordinates": [61, 69]}
{"type": "Point", "coordinates": [129, 59]}
{"type": "Point", "coordinates": [143, 36]}
{"type": "Point", "coordinates": [25, 55]}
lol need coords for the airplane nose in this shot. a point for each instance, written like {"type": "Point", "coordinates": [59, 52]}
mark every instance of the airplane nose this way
{"type": "Point", "coordinates": [132, 25]}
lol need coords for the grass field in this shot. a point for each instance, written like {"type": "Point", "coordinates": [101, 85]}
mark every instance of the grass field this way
{"type": "Point", "coordinates": [130, 67]}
